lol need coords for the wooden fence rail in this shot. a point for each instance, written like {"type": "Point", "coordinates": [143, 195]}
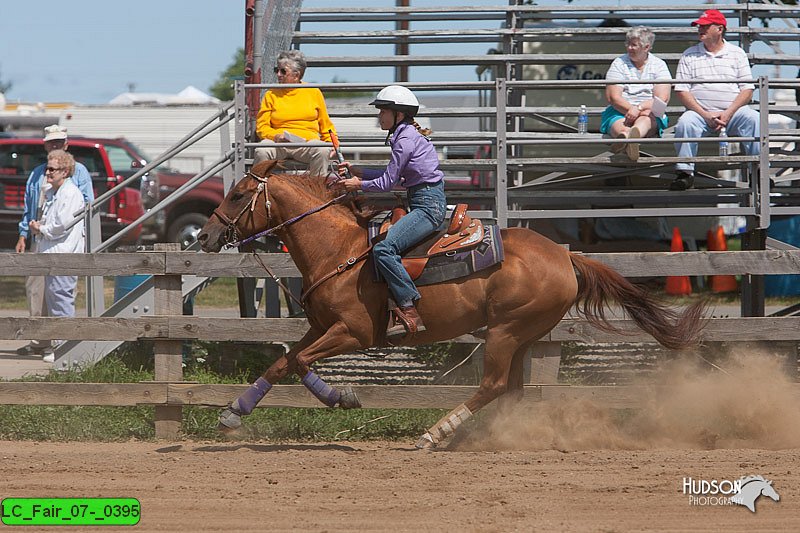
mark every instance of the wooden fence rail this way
{"type": "Point", "coordinates": [633, 264]}
{"type": "Point", "coordinates": [292, 329]}
{"type": "Point", "coordinates": [168, 393]}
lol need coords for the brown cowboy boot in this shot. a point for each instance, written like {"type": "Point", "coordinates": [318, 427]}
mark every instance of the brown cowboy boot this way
{"type": "Point", "coordinates": [406, 322]}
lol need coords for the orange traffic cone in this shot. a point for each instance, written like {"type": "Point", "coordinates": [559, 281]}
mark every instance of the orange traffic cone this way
{"type": "Point", "coordinates": [678, 284]}
{"type": "Point", "coordinates": [726, 282]}
{"type": "Point", "coordinates": [711, 241]}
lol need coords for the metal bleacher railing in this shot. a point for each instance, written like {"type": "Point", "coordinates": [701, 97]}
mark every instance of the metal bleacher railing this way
{"type": "Point", "coordinates": [751, 194]}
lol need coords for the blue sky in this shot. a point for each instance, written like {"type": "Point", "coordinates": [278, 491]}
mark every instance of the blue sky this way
{"type": "Point", "coordinates": [88, 51]}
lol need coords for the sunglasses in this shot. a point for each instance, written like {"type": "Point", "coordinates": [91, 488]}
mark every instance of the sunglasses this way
{"type": "Point", "coordinates": [53, 169]}
{"type": "Point", "coordinates": [282, 71]}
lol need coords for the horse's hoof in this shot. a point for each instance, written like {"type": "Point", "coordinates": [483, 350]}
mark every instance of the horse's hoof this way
{"type": "Point", "coordinates": [229, 421]}
{"type": "Point", "coordinates": [425, 442]}
{"type": "Point", "coordinates": [349, 399]}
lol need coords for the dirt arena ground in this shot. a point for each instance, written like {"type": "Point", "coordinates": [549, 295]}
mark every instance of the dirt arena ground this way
{"type": "Point", "coordinates": [384, 486]}
{"type": "Point", "coordinates": [567, 466]}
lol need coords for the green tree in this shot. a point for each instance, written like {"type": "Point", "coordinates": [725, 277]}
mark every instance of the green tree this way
{"type": "Point", "coordinates": [346, 94]}
{"type": "Point", "coordinates": [5, 86]}
{"type": "Point", "coordinates": [223, 87]}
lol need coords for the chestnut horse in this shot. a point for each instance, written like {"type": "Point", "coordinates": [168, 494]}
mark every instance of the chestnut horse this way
{"type": "Point", "coordinates": [517, 301]}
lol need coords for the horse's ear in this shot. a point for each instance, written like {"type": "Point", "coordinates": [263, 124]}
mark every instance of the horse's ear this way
{"type": "Point", "coordinates": [263, 168]}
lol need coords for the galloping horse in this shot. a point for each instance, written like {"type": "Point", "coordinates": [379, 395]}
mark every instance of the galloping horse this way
{"type": "Point", "coordinates": [518, 301]}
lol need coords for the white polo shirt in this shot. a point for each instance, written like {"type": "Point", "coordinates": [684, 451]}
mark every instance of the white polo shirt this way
{"type": "Point", "coordinates": [729, 63]}
{"type": "Point", "coordinates": [623, 69]}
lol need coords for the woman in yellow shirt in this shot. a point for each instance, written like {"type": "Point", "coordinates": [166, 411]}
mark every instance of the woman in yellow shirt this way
{"type": "Point", "coordinates": [288, 114]}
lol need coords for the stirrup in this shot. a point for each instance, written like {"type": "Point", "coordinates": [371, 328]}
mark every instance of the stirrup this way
{"type": "Point", "coordinates": [402, 325]}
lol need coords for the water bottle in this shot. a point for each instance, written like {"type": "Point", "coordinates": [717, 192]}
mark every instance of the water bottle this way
{"type": "Point", "coordinates": [583, 120]}
{"type": "Point", "coordinates": [723, 143]}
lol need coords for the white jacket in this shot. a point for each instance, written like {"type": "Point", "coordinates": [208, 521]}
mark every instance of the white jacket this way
{"type": "Point", "coordinates": [57, 213]}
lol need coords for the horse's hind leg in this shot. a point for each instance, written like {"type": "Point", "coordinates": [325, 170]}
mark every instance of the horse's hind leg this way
{"type": "Point", "coordinates": [501, 345]}
{"type": "Point", "coordinates": [516, 376]}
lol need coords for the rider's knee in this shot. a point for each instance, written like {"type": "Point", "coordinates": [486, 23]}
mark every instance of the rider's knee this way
{"type": "Point", "coordinates": [382, 249]}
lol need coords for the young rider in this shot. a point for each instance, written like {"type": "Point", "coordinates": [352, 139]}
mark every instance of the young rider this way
{"type": "Point", "coordinates": [414, 165]}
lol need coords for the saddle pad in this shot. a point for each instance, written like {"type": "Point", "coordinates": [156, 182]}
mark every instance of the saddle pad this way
{"type": "Point", "coordinates": [445, 267]}
{"type": "Point", "coordinates": [489, 252]}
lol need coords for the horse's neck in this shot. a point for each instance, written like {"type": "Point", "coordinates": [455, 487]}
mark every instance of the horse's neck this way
{"type": "Point", "coordinates": [323, 240]}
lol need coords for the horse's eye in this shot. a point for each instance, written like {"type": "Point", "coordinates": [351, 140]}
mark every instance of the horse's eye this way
{"type": "Point", "coordinates": [237, 196]}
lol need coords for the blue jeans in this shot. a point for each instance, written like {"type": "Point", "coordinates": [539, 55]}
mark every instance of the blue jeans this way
{"type": "Point", "coordinates": [427, 209]}
{"type": "Point", "coordinates": [743, 123]}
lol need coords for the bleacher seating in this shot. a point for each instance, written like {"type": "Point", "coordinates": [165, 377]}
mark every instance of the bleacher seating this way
{"type": "Point", "coordinates": [538, 167]}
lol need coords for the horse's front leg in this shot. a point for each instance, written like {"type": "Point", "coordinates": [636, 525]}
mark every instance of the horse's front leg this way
{"type": "Point", "coordinates": [310, 348]}
{"type": "Point", "coordinates": [231, 417]}
{"type": "Point", "coordinates": [337, 340]}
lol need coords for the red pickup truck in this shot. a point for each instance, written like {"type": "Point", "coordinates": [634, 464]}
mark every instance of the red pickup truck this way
{"type": "Point", "coordinates": [183, 219]}
{"type": "Point", "coordinates": [109, 162]}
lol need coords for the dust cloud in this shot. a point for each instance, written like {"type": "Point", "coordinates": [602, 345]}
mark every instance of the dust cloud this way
{"type": "Point", "coordinates": [749, 402]}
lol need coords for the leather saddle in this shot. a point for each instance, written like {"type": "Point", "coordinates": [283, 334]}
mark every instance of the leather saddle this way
{"type": "Point", "coordinates": [461, 233]}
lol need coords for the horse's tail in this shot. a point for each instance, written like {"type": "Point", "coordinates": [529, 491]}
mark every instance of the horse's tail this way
{"type": "Point", "coordinates": [598, 285]}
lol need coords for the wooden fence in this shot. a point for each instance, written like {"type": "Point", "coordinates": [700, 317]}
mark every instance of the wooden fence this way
{"type": "Point", "coordinates": [168, 328]}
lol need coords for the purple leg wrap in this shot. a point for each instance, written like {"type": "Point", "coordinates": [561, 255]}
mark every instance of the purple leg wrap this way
{"type": "Point", "coordinates": [245, 403]}
{"type": "Point", "coordinates": [324, 392]}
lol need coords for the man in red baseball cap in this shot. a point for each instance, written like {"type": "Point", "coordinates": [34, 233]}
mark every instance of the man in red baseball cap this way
{"type": "Point", "coordinates": [710, 107]}
{"type": "Point", "coordinates": [711, 16]}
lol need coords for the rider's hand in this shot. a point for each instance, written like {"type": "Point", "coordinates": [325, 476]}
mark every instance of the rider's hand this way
{"type": "Point", "coordinates": [345, 167]}
{"type": "Point", "coordinates": [350, 184]}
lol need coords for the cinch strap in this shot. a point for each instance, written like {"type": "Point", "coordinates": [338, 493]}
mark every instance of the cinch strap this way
{"type": "Point", "coordinates": [323, 392]}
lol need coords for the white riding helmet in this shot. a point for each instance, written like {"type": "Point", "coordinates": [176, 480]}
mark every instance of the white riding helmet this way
{"type": "Point", "coordinates": [398, 98]}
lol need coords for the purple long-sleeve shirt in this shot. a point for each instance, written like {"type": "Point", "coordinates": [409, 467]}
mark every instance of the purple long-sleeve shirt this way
{"type": "Point", "coordinates": [413, 159]}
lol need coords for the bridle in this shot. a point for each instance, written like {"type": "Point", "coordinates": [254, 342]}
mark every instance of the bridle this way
{"type": "Point", "coordinates": [232, 233]}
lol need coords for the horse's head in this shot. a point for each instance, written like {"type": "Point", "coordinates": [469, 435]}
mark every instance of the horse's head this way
{"type": "Point", "coordinates": [238, 217]}
{"type": "Point", "coordinates": [768, 491]}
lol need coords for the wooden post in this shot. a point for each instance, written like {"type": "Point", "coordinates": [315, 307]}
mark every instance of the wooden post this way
{"type": "Point", "coordinates": [544, 360]}
{"type": "Point", "coordinates": [168, 353]}
{"type": "Point", "coordinates": [752, 290]}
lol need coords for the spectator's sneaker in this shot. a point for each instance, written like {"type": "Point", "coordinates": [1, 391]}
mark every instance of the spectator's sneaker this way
{"type": "Point", "coordinates": [632, 149]}
{"type": "Point", "coordinates": [49, 356]}
{"type": "Point", "coordinates": [618, 148]}
{"type": "Point", "coordinates": [682, 181]}
{"type": "Point", "coordinates": [30, 349]}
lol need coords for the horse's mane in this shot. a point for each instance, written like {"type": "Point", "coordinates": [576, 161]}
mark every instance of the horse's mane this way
{"type": "Point", "coordinates": [748, 479]}
{"type": "Point", "coordinates": [317, 187]}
